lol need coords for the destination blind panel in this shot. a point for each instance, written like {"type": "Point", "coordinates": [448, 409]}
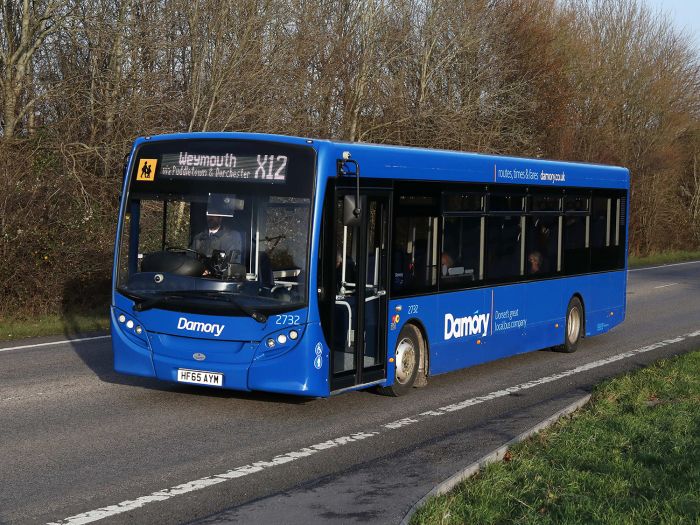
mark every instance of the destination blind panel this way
{"type": "Point", "coordinates": [263, 167]}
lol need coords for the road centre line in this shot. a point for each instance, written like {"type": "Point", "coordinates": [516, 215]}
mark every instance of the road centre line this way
{"type": "Point", "coordinates": [61, 342]}
{"type": "Point", "coordinates": [663, 266]}
{"type": "Point", "coordinates": [258, 466]}
{"type": "Point", "coordinates": [665, 286]}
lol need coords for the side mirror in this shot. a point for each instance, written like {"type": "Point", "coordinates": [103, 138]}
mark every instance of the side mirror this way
{"type": "Point", "coordinates": [351, 212]}
{"type": "Point", "coordinates": [351, 205]}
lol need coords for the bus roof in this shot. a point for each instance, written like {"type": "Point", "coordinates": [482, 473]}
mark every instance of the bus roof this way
{"type": "Point", "coordinates": [413, 163]}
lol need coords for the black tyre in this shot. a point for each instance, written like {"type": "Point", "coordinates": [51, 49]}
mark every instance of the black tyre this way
{"type": "Point", "coordinates": [573, 330]}
{"type": "Point", "coordinates": [406, 360]}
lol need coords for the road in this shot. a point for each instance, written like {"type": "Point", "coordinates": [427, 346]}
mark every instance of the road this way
{"type": "Point", "coordinates": [80, 443]}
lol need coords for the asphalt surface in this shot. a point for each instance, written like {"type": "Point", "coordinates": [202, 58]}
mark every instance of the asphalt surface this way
{"type": "Point", "coordinates": [75, 437]}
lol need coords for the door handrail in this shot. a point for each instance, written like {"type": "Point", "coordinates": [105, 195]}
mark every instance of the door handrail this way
{"type": "Point", "coordinates": [338, 300]}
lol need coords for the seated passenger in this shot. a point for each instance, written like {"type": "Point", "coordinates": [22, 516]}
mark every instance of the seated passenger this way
{"type": "Point", "coordinates": [535, 262]}
{"type": "Point", "coordinates": [447, 262]}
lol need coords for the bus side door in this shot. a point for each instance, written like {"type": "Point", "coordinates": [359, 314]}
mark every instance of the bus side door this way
{"type": "Point", "coordinates": [358, 353]}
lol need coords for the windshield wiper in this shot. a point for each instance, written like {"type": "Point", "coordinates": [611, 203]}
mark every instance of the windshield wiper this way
{"type": "Point", "coordinates": [209, 294]}
{"type": "Point", "coordinates": [143, 303]}
{"type": "Point", "coordinates": [230, 298]}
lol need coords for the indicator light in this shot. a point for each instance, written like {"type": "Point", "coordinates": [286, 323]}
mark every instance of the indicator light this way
{"type": "Point", "coordinates": [270, 343]}
{"type": "Point", "coordinates": [129, 324]}
{"type": "Point", "coordinates": [138, 330]}
{"type": "Point", "coordinates": [293, 334]}
{"type": "Point", "coordinates": [281, 339]}
{"type": "Point", "coordinates": [121, 318]}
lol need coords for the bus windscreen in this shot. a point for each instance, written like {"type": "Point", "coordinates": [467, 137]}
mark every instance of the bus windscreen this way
{"type": "Point", "coordinates": [215, 225]}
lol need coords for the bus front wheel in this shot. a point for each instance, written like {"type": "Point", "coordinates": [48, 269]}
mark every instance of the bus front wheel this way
{"type": "Point", "coordinates": [574, 326]}
{"type": "Point", "coordinates": [406, 360]}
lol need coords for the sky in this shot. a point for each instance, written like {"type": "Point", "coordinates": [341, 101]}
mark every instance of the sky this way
{"type": "Point", "coordinates": [684, 13]}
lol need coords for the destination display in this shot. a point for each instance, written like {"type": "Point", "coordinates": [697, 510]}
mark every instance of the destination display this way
{"type": "Point", "coordinates": [255, 168]}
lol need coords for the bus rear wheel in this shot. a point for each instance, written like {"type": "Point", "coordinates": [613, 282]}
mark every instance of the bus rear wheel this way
{"type": "Point", "coordinates": [574, 326]}
{"type": "Point", "coordinates": [406, 360]}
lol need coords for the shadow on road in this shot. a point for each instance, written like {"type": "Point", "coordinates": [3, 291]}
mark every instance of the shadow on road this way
{"type": "Point", "coordinates": [82, 296]}
{"type": "Point", "coordinates": [97, 356]}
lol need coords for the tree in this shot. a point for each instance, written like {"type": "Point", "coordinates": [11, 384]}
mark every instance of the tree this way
{"type": "Point", "coordinates": [25, 28]}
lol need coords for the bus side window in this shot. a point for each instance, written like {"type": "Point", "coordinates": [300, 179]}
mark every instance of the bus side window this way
{"type": "Point", "coordinates": [542, 245]}
{"type": "Point", "coordinates": [575, 235]}
{"type": "Point", "coordinates": [505, 254]}
{"type": "Point", "coordinates": [575, 249]}
{"type": "Point", "coordinates": [460, 253]}
{"type": "Point", "coordinates": [603, 250]}
{"type": "Point", "coordinates": [503, 247]}
{"type": "Point", "coordinates": [619, 222]}
{"type": "Point", "coordinates": [415, 255]}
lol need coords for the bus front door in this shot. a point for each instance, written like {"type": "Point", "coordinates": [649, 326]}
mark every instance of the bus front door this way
{"type": "Point", "coordinates": [358, 354]}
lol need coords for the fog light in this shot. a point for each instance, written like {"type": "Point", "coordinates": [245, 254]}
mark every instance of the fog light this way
{"type": "Point", "coordinates": [270, 343]}
{"type": "Point", "coordinates": [129, 324]}
{"type": "Point", "coordinates": [138, 330]}
{"type": "Point", "coordinates": [121, 318]}
{"type": "Point", "coordinates": [293, 334]}
{"type": "Point", "coordinates": [281, 339]}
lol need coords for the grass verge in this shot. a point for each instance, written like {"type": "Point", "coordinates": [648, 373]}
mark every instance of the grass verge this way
{"type": "Point", "coordinates": [53, 325]}
{"type": "Point", "coordinates": [655, 259]}
{"type": "Point", "coordinates": [631, 456]}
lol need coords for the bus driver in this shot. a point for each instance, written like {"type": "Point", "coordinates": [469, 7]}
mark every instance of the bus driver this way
{"type": "Point", "coordinates": [218, 237]}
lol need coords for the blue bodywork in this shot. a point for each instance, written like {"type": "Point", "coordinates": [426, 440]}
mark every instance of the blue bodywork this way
{"type": "Point", "coordinates": [506, 320]}
{"type": "Point", "coordinates": [519, 317]}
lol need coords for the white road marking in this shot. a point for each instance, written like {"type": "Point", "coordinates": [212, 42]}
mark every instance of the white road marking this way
{"type": "Point", "coordinates": [663, 266]}
{"type": "Point", "coordinates": [239, 472]}
{"type": "Point", "coordinates": [61, 342]}
{"type": "Point", "coordinates": [665, 286]}
{"type": "Point", "coordinates": [32, 396]}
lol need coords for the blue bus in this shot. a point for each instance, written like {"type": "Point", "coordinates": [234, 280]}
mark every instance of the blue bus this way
{"type": "Point", "coordinates": [311, 267]}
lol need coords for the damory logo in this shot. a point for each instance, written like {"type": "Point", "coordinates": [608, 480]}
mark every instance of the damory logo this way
{"type": "Point", "coordinates": [195, 326]}
{"type": "Point", "coordinates": [456, 327]}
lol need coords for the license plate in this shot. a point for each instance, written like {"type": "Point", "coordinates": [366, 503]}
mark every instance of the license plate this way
{"type": "Point", "coordinates": [200, 377]}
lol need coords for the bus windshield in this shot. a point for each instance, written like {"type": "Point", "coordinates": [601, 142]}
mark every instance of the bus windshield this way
{"type": "Point", "coordinates": [211, 242]}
